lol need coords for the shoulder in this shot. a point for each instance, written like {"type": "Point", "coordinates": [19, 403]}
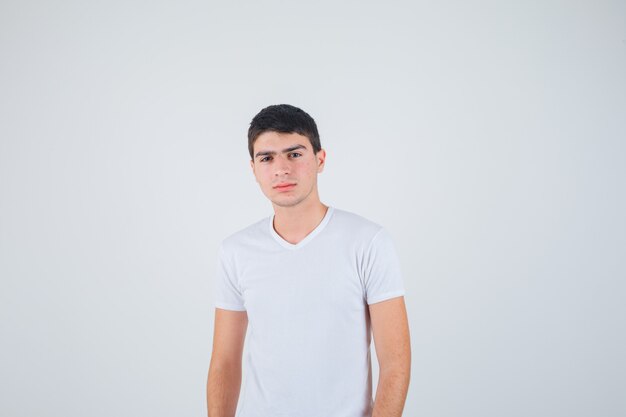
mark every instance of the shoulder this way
{"type": "Point", "coordinates": [356, 225]}
{"type": "Point", "coordinates": [246, 236]}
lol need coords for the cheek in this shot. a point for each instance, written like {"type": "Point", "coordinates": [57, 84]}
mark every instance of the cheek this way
{"type": "Point", "coordinates": [307, 166]}
{"type": "Point", "coordinates": [262, 176]}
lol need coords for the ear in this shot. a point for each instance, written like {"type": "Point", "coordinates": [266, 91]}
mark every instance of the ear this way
{"type": "Point", "coordinates": [321, 158]}
{"type": "Point", "coordinates": [252, 167]}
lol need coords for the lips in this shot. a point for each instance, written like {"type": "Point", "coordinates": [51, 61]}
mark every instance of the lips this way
{"type": "Point", "coordinates": [284, 185]}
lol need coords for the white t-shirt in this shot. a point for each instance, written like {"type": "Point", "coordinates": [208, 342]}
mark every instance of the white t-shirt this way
{"type": "Point", "coordinates": [309, 332]}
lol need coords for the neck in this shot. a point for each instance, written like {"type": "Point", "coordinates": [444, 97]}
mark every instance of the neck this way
{"type": "Point", "coordinates": [295, 223]}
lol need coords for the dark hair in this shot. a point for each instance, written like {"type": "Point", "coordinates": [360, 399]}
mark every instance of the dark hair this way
{"type": "Point", "coordinates": [283, 118]}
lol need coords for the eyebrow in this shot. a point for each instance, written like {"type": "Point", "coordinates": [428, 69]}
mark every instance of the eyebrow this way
{"type": "Point", "coordinates": [291, 148]}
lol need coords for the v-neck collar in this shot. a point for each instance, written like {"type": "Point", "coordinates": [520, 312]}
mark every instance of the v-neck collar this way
{"type": "Point", "coordinates": [307, 238]}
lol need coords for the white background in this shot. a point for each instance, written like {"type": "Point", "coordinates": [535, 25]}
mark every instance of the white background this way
{"type": "Point", "coordinates": [488, 137]}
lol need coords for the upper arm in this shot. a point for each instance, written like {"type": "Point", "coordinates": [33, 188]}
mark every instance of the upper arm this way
{"type": "Point", "coordinates": [228, 336]}
{"type": "Point", "coordinates": [390, 328]}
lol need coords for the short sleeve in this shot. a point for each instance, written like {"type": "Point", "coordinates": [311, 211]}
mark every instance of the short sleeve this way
{"type": "Point", "coordinates": [228, 295]}
{"type": "Point", "coordinates": [382, 276]}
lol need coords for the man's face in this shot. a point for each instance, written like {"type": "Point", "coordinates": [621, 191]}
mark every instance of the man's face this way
{"type": "Point", "coordinates": [286, 167]}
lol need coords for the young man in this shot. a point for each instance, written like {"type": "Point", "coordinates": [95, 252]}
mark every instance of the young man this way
{"type": "Point", "coordinates": [312, 281]}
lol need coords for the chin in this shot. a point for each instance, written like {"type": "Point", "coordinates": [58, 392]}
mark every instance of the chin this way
{"type": "Point", "coordinates": [286, 202]}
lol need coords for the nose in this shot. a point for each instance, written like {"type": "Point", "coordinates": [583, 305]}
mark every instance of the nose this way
{"type": "Point", "coordinates": [281, 166]}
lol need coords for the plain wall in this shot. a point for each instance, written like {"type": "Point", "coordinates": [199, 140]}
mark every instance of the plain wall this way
{"type": "Point", "coordinates": [488, 137]}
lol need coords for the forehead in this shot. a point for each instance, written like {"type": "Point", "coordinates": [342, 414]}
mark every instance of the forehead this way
{"type": "Point", "coordinates": [275, 141]}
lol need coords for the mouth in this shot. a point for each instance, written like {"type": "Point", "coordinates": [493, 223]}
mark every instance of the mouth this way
{"type": "Point", "coordinates": [284, 187]}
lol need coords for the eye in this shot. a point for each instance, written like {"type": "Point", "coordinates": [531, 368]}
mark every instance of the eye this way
{"type": "Point", "coordinates": [296, 153]}
{"type": "Point", "coordinates": [264, 158]}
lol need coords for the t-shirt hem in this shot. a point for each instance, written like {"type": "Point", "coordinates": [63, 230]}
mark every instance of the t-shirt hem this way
{"type": "Point", "coordinates": [385, 296]}
{"type": "Point", "coordinates": [226, 306]}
